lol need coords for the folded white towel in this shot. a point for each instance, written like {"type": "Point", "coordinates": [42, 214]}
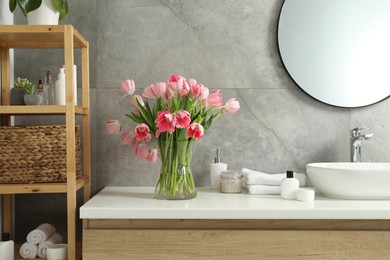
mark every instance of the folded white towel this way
{"type": "Point", "coordinates": [263, 189]}
{"type": "Point", "coordinates": [41, 233]}
{"type": "Point", "coordinates": [28, 250]}
{"type": "Point", "coordinates": [42, 247]}
{"type": "Point", "coordinates": [255, 177]}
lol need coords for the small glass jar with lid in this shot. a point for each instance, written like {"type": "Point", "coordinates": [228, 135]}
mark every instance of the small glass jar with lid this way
{"type": "Point", "coordinates": [231, 182]}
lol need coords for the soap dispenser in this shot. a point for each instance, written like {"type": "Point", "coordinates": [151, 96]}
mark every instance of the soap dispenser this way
{"type": "Point", "coordinates": [6, 248]}
{"type": "Point", "coordinates": [60, 94]}
{"type": "Point", "coordinates": [216, 169]}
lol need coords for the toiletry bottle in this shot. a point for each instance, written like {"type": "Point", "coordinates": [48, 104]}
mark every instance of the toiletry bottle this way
{"type": "Point", "coordinates": [6, 248]}
{"type": "Point", "coordinates": [49, 87]}
{"type": "Point", "coordinates": [60, 94]}
{"type": "Point", "coordinates": [215, 171]}
{"type": "Point", "coordinates": [289, 186]}
{"type": "Point", "coordinates": [74, 83]}
{"type": "Point", "coordinates": [42, 92]}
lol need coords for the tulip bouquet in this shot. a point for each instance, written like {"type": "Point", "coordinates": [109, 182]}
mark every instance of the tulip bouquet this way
{"type": "Point", "coordinates": [175, 113]}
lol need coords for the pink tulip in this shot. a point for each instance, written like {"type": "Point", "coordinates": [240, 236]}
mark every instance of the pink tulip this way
{"type": "Point", "coordinates": [165, 122]}
{"type": "Point", "coordinates": [191, 82]}
{"type": "Point", "coordinates": [183, 119]}
{"type": "Point", "coordinates": [179, 88]}
{"type": "Point", "coordinates": [178, 85]}
{"type": "Point", "coordinates": [231, 106]}
{"type": "Point", "coordinates": [195, 130]}
{"type": "Point", "coordinates": [175, 78]}
{"type": "Point", "coordinates": [185, 89]}
{"type": "Point", "coordinates": [139, 100]}
{"type": "Point", "coordinates": [205, 93]}
{"type": "Point", "coordinates": [197, 90]}
{"type": "Point", "coordinates": [135, 105]}
{"type": "Point", "coordinates": [152, 155]}
{"type": "Point", "coordinates": [148, 92]}
{"type": "Point", "coordinates": [113, 127]}
{"type": "Point", "coordinates": [128, 138]}
{"type": "Point", "coordinates": [160, 89]}
{"type": "Point", "coordinates": [142, 150]}
{"type": "Point", "coordinates": [141, 131]}
{"type": "Point", "coordinates": [128, 87]}
{"type": "Point", "coordinates": [214, 99]}
{"type": "Point", "coordinates": [155, 90]}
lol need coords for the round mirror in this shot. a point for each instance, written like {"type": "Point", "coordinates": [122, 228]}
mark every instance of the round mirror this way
{"type": "Point", "coordinates": [337, 51]}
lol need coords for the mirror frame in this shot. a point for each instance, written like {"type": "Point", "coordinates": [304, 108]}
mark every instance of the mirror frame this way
{"type": "Point", "coordinates": [302, 88]}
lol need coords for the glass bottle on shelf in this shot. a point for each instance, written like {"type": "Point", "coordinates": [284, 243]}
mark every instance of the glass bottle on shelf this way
{"type": "Point", "coordinates": [41, 91]}
{"type": "Point", "coordinates": [49, 87]}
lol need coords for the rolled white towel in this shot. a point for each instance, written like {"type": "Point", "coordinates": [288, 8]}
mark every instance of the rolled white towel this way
{"type": "Point", "coordinates": [42, 247]}
{"type": "Point", "coordinates": [41, 233]}
{"type": "Point", "coordinates": [28, 250]}
{"type": "Point", "coordinates": [255, 177]}
{"type": "Point", "coordinates": [263, 189]}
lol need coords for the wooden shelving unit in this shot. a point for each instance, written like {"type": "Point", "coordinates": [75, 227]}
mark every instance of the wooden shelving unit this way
{"type": "Point", "coordinates": [68, 39]}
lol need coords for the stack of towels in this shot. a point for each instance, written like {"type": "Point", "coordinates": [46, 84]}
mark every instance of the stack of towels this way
{"type": "Point", "coordinates": [260, 183]}
{"type": "Point", "coordinates": [39, 240]}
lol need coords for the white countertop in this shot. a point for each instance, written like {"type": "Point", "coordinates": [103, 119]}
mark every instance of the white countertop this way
{"type": "Point", "coordinates": [138, 203]}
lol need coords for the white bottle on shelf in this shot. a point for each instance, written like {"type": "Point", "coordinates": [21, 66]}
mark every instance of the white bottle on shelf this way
{"type": "Point", "coordinates": [60, 93]}
{"type": "Point", "coordinates": [74, 83]}
{"type": "Point", "coordinates": [216, 169]}
{"type": "Point", "coordinates": [6, 248]}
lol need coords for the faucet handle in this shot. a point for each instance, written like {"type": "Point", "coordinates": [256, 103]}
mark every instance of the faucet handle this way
{"type": "Point", "coordinates": [357, 131]}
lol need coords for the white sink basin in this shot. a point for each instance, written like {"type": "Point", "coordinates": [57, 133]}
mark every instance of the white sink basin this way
{"type": "Point", "coordinates": [351, 180]}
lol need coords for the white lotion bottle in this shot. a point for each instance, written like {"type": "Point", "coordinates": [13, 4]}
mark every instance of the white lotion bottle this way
{"type": "Point", "coordinates": [216, 169]}
{"type": "Point", "coordinates": [59, 90]}
{"type": "Point", "coordinates": [74, 83]}
{"type": "Point", "coordinates": [6, 248]}
{"type": "Point", "coordinates": [289, 186]}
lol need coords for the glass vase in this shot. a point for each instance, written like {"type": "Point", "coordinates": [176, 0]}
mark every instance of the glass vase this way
{"type": "Point", "coordinates": [176, 181]}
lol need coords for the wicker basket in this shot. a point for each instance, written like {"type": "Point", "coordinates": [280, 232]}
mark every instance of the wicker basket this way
{"type": "Point", "coordinates": [35, 154]}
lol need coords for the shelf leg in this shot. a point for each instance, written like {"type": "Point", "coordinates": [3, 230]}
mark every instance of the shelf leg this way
{"type": "Point", "coordinates": [7, 214]}
{"type": "Point", "coordinates": [70, 141]}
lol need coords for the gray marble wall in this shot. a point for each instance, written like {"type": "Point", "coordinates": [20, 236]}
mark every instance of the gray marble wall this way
{"type": "Point", "coordinates": [228, 45]}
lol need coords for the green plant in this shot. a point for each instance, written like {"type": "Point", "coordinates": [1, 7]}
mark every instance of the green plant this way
{"type": "Point", "coordinates": [27, 6]}
{"type": "Point", "coordinates": [28, 86]}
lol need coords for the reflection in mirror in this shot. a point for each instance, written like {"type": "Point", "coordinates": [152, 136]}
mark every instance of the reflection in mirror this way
{"type": "Point", "coordinates": [337, 51]}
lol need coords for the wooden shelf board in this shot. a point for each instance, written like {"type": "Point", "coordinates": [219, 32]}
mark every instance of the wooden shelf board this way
{"type": "Point", "coordinates": [38, 36]}
{"type": "Point", "coordinates": [59, 187]}
{"type": "Point", "coordinates": [39, 110]}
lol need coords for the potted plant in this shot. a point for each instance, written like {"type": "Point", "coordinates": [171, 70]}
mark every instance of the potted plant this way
{"type": "Point", "coordinates": [17, 92]}
{"type": "Point", "coordinates": [30, 98]}
{"type": "Point", "coordinates": [41, 11]}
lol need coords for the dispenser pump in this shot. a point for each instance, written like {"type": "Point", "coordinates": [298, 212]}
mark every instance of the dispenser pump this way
{"type": "Point", "coordinates": [216, 169]}
{"type": "Point", "coordinates": [217, 158]}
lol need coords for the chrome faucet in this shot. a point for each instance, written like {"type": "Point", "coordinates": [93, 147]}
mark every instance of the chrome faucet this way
{"type": "Point", "coordinates": [356, 143]}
